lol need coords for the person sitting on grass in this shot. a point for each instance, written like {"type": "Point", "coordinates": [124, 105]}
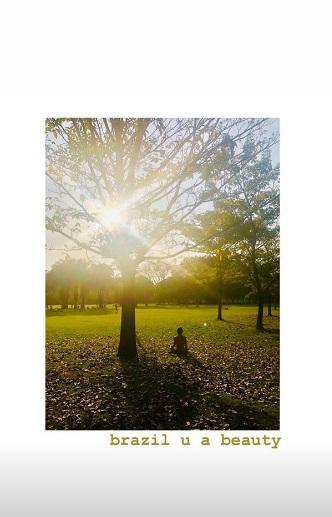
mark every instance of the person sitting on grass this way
{"type": "Point", "coordinates": [180, 343]}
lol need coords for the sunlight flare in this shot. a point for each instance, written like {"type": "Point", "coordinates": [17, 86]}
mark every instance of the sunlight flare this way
{"type": "Point", "coordinates": [112, 217]}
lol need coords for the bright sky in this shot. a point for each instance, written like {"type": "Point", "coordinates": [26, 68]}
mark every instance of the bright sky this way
{"type": "Point", "coordinates": [56, 243]}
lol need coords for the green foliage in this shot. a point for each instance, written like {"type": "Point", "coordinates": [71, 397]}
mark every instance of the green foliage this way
{"type": "Point", "coordinates": [195, 281]}
{"type": "Point", "coordinates": [241, 233]}
{"type": "Point", "coordinates": [71, 281]}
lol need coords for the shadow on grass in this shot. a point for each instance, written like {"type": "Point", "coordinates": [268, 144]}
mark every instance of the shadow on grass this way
{"type": "Point", "coordinates": [159, 395]}
{"type": "Point", "coordinates": [192, 359]}
{"type": "Point", "coordinates": [161, 392]}
{"type": "Point", "coordinates": [169, 396]}
{"type": "Point", "coordinates": [267, 330]}
{"type": "Point", "coordinates": [271, 331]}
{"type": "Point", "coordinates": [237, 324]}
{"type": "Point", "coordinates": [246, 414]}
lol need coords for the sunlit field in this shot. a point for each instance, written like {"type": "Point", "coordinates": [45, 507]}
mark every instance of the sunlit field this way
{"type": "Point", "coordinates": [229, 380]}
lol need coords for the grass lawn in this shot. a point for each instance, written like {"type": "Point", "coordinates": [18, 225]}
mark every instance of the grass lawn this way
{"type": "Point", "coordinates": [229, 380]}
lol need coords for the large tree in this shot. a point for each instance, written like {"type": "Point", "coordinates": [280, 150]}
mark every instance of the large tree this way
{"type": "Point", "coordinates": [249, 223]}
{"type": "Point", "coordinates": [124, 188]}
{"type": "Point", "coordinates": [242, 231]}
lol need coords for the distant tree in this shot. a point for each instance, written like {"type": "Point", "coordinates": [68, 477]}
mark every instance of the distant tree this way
{"type": "Point", "coordinates": [173, 290]}
{"type": "Point", "coordinates": [50, 289]}
{"type": "Point", "coordinates": [144, 290]}
{"type": "Point", "coordinates": [269, 303]}
{"type": "Point", "coordinates": [155, 271]}
{"type": "Point", "coordinates": [78, 273]}
{"type": "Point", "coordinates": [215, 268]}
{"type": "Point", "coordinates": [101, 279]}
{"type": "Point", "coordinates": [201, 272]}
{"type": "Point", "coordinates": [61, 278]}
{"type": "Point", "coordinates": [83, 281]}
{"type": "Point", "coordinates": [224, 273]}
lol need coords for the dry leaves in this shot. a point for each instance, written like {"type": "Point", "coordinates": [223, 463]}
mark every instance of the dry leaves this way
{"type": "Point", "coordinates": [231, 383]}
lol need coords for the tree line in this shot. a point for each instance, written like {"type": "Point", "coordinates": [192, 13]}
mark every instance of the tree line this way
{"type": "Point", "coordinates": [78, 284]}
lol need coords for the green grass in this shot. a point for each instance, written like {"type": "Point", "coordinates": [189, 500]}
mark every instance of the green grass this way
{"type": "Point", "coordinates": [230, 380]}
{"type": "Point", "coordinates": [152, 320]}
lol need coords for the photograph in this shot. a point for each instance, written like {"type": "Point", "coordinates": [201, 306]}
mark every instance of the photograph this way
{"type": "Point", "coordinates": [162, 274]}
{"type": "Point", "coordinates": [165, 286]}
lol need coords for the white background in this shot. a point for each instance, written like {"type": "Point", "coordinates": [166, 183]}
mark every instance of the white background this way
{"type": "Point", "coordinates": [167, 59]}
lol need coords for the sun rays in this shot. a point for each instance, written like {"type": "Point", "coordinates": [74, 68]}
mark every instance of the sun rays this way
{"type": "Point", "coordinates": [112, 218]}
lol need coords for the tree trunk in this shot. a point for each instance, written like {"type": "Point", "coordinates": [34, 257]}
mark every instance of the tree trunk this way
{"type": "Point", "coordinates": [82, 300]}
{"type": "Point", "coordinates": [269, 304]}
{"type": "Point", "coordinates": [220, 307]}
{"type": "Point", "coordinates": [127, 346]}
{"type": "Point", "coordinates": [259, 323]}
{"type": "Point", "coordinates": [220, 291]}
{"type": "Point", "coordinates": [75, 297]}
{"type": "Point", "coordinates": [101, 302]}
{"type": "Point", "coordinates": [64, 297]}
